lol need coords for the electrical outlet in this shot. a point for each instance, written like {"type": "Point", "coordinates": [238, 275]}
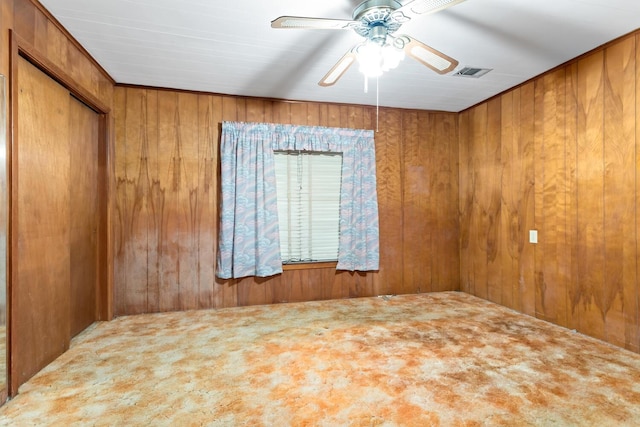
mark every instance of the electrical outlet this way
{"type": "Point", "coordinates": [533, 236]}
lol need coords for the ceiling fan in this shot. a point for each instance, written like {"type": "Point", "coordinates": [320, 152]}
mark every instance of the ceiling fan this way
{"type": "Point", "coordinates": [377, 21]}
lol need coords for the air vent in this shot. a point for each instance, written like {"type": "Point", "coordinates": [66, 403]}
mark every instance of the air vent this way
{"type": "Point", "coordinates": [472, 72]}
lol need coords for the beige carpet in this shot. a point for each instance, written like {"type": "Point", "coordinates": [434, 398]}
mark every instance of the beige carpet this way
{"type": "Point", "coordinates": [445, 359]}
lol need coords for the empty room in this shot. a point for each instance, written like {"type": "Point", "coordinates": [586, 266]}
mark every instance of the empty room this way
{"type": "Point", "coordinates": [337, 213]}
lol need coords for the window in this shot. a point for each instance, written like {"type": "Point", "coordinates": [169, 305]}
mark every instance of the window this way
{"type": "Point", "coordinates": [249, 241]}
{"type": "Point", "coordinates": [308, 193]}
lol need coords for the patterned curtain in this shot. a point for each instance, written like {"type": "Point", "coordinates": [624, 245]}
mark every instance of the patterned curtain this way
{"type": "Point", "coordinates": [249, 242]}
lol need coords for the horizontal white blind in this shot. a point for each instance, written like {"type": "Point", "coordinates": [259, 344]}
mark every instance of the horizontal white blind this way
{"type": "Point", "coordinates": [308, 191]}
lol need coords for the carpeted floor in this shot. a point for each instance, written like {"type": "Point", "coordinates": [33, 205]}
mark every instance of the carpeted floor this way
{"type": "Point", "coordinates": [445, 359]}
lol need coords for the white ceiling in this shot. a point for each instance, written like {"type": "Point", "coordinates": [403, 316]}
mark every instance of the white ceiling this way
{"type": "Point", "coordinates": [230, 47]}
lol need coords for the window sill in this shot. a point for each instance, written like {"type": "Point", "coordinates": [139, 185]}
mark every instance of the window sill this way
{"type": "Point", "coordinates": [309, 265]}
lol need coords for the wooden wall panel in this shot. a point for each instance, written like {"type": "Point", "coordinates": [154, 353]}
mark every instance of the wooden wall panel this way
{"type": "Point", "coordinates": [151, 195]}
{"type": "Point", "coordinates": [441, 158]}
{"type": "Point", "coordinates": [478, 199]}
{"type": "Point", "coordinates": [209, 117]}
{"type": "Point", "coordinates": [550, 195]}
{"type": "Point", "coordinates": [517, 193]}
{"type": "Point", "coordinates": [35, 26]}
{"type": "Point", "coordinates": [167, 172]}
{"type": "Point", "coordinates": [526, 211]}
{"type": "Point", "coordinates": [6, 22]}
{"type": "Point", "coordinates": [539, 191]}
{"type": "Point", "coordinates": [24, 21]}
{"type": "Point", "coordinates": [569, 167]}
{"type": "Point", "coordinates": [632, 333]}
{"type": "Point", "coordinates": [171, 180]}
{"type": "Point", "coordinates": [430, 220]}
{"type": "Point", "coordinates": [416, 201]}
{"type": "Point", "coordinates": [587, 302]}
{"type": "Point", "coordinates": [619, 178]}
{"type": "Point", "coordinates": [465, 202]}
{"type": "Point", "coordinates": [509, 254]}
{"type": "Point", "coordinates": [120, 211]}
{"type": "Point", "coordinates": [389, 170]}
{"type": "Point", "coordinates": [492, 197]}
{"type": "Point", "coordinates": [571, 160]}
{"type": "Point", "coordinates": [556, 303]}
{"type": "Point", "coordinates": [138, 147]}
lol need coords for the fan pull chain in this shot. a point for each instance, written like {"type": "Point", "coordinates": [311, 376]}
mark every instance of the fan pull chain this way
{"type": "Point", "coordinates": [377, 103]}
{"type": "Point", "coordinates": [366, 90]}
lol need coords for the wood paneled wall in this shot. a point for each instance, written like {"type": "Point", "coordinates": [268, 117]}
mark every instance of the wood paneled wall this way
{"type": "Point", "coordinates": [560, 155]}
{"type": "Point", "coordinates": [166, 214]}
{"type": "Point", "coordinates": [6, 23]}
{"type": "Point", "coordinates": [39, 29]}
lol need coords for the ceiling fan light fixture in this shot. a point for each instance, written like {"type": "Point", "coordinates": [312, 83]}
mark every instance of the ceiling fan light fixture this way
{"type": "Point", "coordinates": [375, 59]}
{"type": "Point", "coordinates": [377, 21]}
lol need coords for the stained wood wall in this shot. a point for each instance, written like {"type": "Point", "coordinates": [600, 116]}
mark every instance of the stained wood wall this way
{"type": "Point", "coordinates": [166, 215]}
{"type": "Point", "coordinates": [6, 23]}
{"type": "Point", "coordinates": [560, 155]}
{"type": "Point", "coordinates": [39, 29]}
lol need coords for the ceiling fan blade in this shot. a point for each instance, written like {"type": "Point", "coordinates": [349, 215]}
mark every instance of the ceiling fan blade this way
{"type": "Point", "coordinates": [300, 22]}
{"type": "Point", "coordinates": [426, 55]}
{"type": "Point", "coordinates": [421, 7]}
{"type": "Point", "coordinates": [339, 69]}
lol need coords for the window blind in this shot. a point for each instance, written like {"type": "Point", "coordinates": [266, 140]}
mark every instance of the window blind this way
{"type": "Point", "coordinates": [308, 193]}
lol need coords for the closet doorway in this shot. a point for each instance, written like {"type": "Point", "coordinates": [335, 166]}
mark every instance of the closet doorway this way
{"type": "Point", "coordinates": [57, 220]}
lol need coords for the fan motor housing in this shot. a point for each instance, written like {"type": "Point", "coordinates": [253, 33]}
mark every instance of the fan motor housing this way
{"type": "Point", "coordinates": [376, 19]}
{"type": "Point", "coordinates": [368, 5]}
